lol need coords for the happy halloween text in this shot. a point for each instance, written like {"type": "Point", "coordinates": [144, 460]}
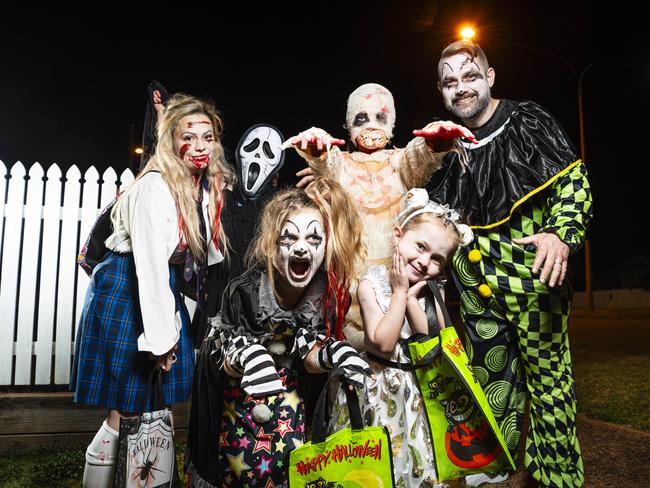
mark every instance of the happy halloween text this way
{"type": "Point", "coordinates": [340, 453]}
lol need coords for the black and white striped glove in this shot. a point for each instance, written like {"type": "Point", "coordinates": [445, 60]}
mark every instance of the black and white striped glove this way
{"type": "Point", "coordinates": [259, 376]}
{"type": "Point", "coordinates": [341, 355]}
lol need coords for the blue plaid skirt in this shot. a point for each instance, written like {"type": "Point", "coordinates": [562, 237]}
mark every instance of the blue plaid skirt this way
{"type": "Point", "coordinates": [108, 369]}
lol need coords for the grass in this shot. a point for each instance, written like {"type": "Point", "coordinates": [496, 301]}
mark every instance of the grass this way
{"type": "Point", "coordinates": [55, 469]}
{"type": "Point", "coordinates": [62, 468]}
{"type": "Point", "coordinates": [613, 386]}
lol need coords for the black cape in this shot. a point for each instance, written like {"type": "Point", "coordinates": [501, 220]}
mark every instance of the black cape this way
{"type": "Point", "coordinates": [240, 218]}
{"type": "Point", "coordinates": [521, 149]}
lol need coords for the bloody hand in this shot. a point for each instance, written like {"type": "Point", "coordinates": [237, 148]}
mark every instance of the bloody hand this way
{"type": "Point", "coordinates": [445, 132]}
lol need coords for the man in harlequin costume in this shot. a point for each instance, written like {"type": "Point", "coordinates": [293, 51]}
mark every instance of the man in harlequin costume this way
{"type": "Point", "coordinates": [376, 177]}
{"type": "Point", "coordinates": [527, 198]}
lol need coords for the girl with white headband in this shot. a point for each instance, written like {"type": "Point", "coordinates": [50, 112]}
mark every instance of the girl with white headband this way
{"type": "Point", "coordinates": [392, 303]}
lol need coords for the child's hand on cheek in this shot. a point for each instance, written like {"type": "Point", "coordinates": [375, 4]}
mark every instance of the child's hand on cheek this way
{"type": "Point", "coordinates": [399, 280]}
{"type": "Point", "coordinates": [414, 291]}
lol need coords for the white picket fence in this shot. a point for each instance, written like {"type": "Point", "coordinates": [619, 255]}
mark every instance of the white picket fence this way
{"type": "Point", "coordinates": [46, 218]}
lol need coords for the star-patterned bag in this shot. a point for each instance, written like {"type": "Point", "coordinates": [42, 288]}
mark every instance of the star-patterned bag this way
{"type": "Point", "coordinates": [354, 457]}
{"type": "Point", "coordinates": [466, 436]}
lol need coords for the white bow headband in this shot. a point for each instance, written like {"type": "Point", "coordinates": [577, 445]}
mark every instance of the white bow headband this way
{"type": "Point", "coordinates": [416, 202]}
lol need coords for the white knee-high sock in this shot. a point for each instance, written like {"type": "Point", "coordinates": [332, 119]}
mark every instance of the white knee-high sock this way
{"type": "Point", "coordinates": [100, 458]}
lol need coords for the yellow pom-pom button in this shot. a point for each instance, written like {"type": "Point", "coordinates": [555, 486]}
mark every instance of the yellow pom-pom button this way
{"type": "Point", "coordinates": [484, 291]}
{"type": "Point", "coordinates": [474, 255]}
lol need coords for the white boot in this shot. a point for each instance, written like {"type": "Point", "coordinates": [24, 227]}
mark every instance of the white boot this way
{"type": "Point", "coordinates": [481, 479]}
{"type": "Point", "coordinates": [100, 459]}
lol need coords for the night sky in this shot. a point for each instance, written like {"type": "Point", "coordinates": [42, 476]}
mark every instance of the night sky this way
{"type": "Point", "coordinates": [73, 84]}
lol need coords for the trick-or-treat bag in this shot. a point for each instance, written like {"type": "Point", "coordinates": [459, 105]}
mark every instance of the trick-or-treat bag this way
{"type": "Point", "coordinates": [354, 457]}
{"type": "Point", "coordinates": [146, 456]}
{"type": "Point", "coordinates": [466, 436]}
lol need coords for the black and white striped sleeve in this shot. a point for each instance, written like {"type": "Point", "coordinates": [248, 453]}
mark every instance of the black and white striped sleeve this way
{"type": "Point", "coordinates": [248, 358]}
{"type": "Point", "coordinates": [340, 354]}
{"type": "Point", "coordinates": [260, 377]}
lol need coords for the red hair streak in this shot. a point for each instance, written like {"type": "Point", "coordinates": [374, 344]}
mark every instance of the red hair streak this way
{"type": "Point", "coordinates": [217, 214]}
{"type": "Point", "coordinates": [339, 293]}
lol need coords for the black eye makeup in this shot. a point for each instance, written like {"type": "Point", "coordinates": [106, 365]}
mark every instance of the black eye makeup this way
{"type": "Point", "coordinates": [360, 119]}
{"type": "Point", "coordinates": [287, 239]}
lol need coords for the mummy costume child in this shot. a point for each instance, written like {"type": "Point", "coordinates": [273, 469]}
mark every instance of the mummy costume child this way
{"type": "Point", "coordinates": [375, 177]}
{"type": "Point", "coordinates": [279, 321]}
{"type": "Point", "coordinates": [527, 198]}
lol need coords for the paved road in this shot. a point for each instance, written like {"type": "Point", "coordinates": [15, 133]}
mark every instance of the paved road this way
{"type": "Point", "coordinates": [613, 456]}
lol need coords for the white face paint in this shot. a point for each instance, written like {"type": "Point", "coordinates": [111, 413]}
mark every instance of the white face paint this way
{"type": "Point", "coordinates": [259, 157]}
{"type": "Point", "coordinates": [301, 247]}
{"type": "Point", "coordinates": [465, 85]}
{"type": "Point", "coordinates": [370, 117]}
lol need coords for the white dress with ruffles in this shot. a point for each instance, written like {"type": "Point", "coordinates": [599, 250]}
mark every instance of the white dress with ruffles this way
{"type": "Point", "coordinates": [393, 400]}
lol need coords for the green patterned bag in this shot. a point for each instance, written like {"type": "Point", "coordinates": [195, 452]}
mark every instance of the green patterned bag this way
{"type": "Point", "coordinates": [466, 436]}
{"type": "Point", "coordinates": [354, 457]}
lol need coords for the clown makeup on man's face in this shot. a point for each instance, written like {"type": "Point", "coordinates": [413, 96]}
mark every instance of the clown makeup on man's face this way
{"type": "Point", "coordinates": [194, 141]}
{"type": "Point", "coordinates": [301, 246]}
{"type": "Point", "coordinates": [370, 117]}
{"type": "Point", "coordinates": [465, 85]}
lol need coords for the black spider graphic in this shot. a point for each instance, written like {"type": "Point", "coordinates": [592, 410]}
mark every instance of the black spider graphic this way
{"type": "Point", "coordinates": [147, 468]}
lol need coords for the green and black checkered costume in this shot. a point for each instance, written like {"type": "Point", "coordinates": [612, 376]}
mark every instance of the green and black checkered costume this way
{"type": "Point", "coordinates": [522, 179]}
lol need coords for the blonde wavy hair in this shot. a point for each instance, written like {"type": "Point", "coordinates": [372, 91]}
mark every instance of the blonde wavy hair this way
{"type": "Point", "coordinates": [429, 217]}
{"type": "Point", "coordinates": [179, 178]}
{"type": "Point", "coordinates": [344, 248]}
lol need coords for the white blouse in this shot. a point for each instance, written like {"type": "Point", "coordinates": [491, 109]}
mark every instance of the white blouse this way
{"type": "Point", "coordinates": [148, 228]}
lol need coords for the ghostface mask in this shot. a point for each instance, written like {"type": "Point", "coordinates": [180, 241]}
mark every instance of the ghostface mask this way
{"type": "Point", "coordinates": [259, 158]}
{"type": "Point", "coordinates": [301, 247]}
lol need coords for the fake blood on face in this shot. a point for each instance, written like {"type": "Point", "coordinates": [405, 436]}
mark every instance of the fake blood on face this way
{"type": "Point", "coordinates": [184, 148]}
{"type": "Point", "coordinates": [192, 124]}
{"type": "Point", "coordinates": [200, 162]}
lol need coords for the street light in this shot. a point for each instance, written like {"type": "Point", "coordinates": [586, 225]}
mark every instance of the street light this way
{"type": "Point", "coordinates": [467, 32]}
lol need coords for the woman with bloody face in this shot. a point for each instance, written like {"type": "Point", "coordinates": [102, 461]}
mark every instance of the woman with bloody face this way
{"type": "Point", "coordinates": [279, 322]}
{"type": "Point", "coordinates": [134, 319]}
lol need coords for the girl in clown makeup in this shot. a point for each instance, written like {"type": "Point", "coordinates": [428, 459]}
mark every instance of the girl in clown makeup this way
{"type": "Point", "coordinates": [134, 319]}
{"type": "Point", "coordinates": [392, 302]}
{"type": "Point", "coordinates": [376, 177]}
{"type": "Point", "coordinates": [279, 321]}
